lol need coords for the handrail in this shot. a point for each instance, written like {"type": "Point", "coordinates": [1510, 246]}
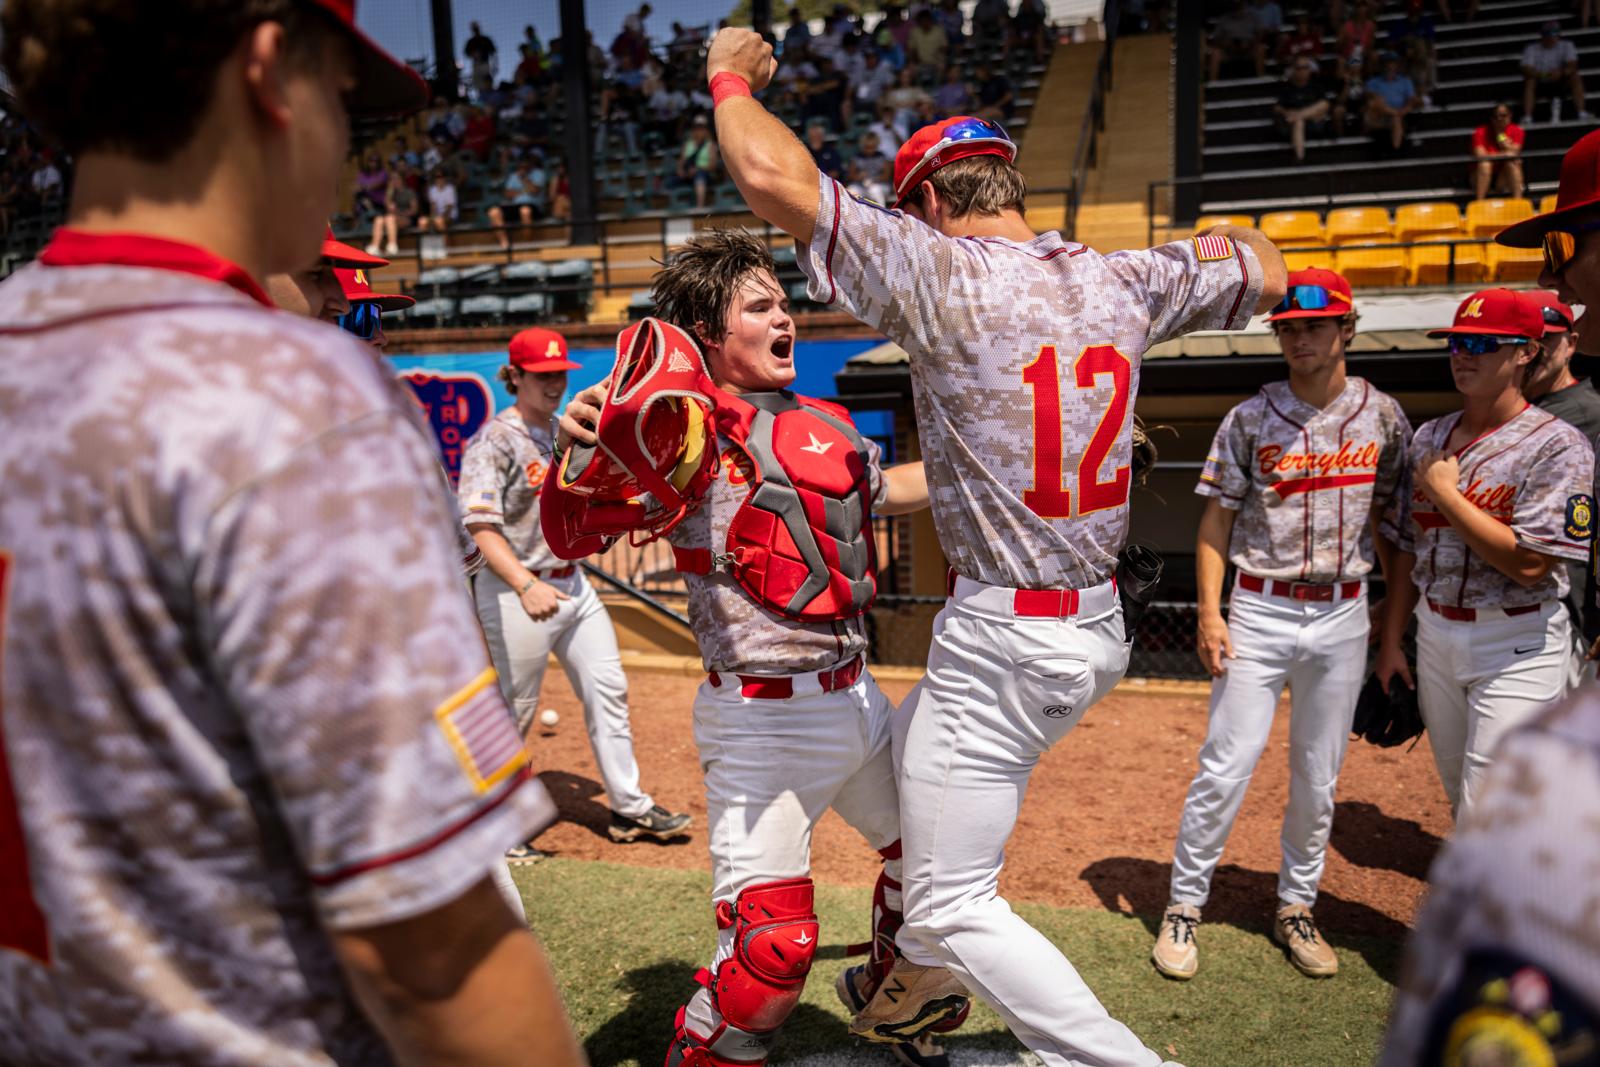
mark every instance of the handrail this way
{"type": "Point", "coordinates": [1094, 118]}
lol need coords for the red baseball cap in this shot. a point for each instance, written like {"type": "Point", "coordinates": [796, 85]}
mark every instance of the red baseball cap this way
{"type": "Point", "coordinates": [1558, 317]}
{"type": "Point", "coordinates": [1338, 304]}
{"type": "Point", "coordinates": [957, 137]}
{"type": "Point", "coordinates": [348, 256]}
{"type": "Point", "coordinates": [541, 351]}
{"type": "Point", "coordinates": [384, 85]}
{"type": "Point", "coordinates": [1498, 313]}
{"type": "Point", "coordinates": [358, 290]}
{"type": "Point", "coordinates": [1578, 192]}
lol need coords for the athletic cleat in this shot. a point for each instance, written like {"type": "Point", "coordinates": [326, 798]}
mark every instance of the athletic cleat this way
{"type": "Point", "coordinates": [658, 823]}
{"type": "Point", "coordinates": [911, 1001]}
{"type": "Point", "coordinates": [525, 853]}
{"type": "Point", "coordinates": [921, 1051]}
{"type": "Point", "coordinates": [1176, 954]}
{"type": "Point", "coordinates": [1296, 931]}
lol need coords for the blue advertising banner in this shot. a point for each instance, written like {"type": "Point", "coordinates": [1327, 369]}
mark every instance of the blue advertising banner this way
{"type": "Point", "coordinates": [460, 392]}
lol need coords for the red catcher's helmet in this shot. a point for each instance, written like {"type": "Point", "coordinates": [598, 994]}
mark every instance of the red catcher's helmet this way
{"type": "Point", "coordinates": [656, 453]}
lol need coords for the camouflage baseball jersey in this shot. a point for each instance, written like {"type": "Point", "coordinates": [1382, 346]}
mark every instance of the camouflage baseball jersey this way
{"type": "Point", "coordinates": [244, 700]}
{"type": "Point", "coordinates": [1534, 473]}
{"type": "Point", "coordinates": [735, 634]}
{"type": "Point", "coordinates": [1502, 967]}
{"type": "Point", "coordinates": [1024, 367]}
{"type": "Point", "coordinates": [502, 468]}
{"type": "Point", "coordinates": [1304, 481]}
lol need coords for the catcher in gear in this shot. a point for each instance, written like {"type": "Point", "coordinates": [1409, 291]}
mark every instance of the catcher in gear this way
{"type": "Point", "coordinates": [779, 557]}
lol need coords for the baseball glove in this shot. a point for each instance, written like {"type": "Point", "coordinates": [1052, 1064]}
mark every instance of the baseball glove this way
{"type": "Point", "coordinates": [1144, 452]}
{"type": "Point", "coordinates": [1138, 574]}
{"type": "Point", "coordinates": [1387, 719]}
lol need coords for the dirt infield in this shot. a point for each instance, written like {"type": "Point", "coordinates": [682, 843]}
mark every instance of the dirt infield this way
{"type": "Point", "coordinates": [1098, 826]}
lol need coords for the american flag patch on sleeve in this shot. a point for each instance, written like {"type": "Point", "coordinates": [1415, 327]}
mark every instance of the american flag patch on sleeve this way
{"type": "Point", "coordinates": [481, 733]}
{"type": "Point", "coordinates": [484, 502]}
{"type": "Point", "coordinates": [1212, 247]}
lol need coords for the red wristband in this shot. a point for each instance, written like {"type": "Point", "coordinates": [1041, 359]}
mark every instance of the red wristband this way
{"type": "Point", "coordinates": [726, 85]}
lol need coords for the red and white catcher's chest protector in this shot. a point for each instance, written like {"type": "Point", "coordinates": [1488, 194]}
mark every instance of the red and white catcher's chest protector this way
{"type": "Point", "coordinates": [801, 542]}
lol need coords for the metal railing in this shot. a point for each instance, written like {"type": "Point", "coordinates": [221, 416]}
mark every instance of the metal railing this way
{"type": "Point", "coordinates": [1086, 155]}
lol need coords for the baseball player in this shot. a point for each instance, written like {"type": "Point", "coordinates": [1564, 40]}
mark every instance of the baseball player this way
{"type": "Point", "coordinates": [1025, 355]}
{"type": "Point", "coordinates": [1296, 481]}
{"type": "Point", "coordinates": [788, 722]}
{"type": "Point", "coordinates": [1498, 497]}
{"type": "Point", "coordinates": [254, 773]}
{"type": "Point", "coordinates": [532, 604]}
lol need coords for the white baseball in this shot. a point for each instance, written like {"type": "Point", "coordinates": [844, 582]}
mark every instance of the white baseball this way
{"type": "Point", "coordinates": [549, 717]}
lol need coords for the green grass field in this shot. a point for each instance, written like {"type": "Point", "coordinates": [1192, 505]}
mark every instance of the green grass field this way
{"type": "Point", "coordinates": [626, 941]}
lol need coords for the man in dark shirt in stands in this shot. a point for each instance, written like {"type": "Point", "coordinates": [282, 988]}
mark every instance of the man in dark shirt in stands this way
{"type": "Point", "coordinates": [1302, 100]}
{"type": "Point", "coordinates": [996, 98]}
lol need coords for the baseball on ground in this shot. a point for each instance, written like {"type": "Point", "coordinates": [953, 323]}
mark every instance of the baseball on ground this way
{"type": "Point", "coordinates": [549, 717]}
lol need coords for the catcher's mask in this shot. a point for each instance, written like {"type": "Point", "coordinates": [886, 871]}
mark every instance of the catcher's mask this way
{"type": "Point", "coordinates": [655, 454]}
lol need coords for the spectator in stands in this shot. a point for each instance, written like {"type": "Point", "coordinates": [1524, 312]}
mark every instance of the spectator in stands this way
{"type": "Point", "coordinates": [46, 183]}
{"type": "Point", "coordinates": [890, 131]}
{"type": "Point", "coordinates": [876, 79]}
{"type": "Point", "coordinates": [953, 23]}
{"type": "Point", "coordinates": [822, 98]}
{"type": "Point", "coordinates": [871, 170]}
{"type": "Point", "coordinates": [1351, 99]}
{"type": "Point", "coordinates": [1236, 36]}
{"type": "Point", "coordinates": [1358, 35]}
{"type": "Point", "coordinates": [524, 191]}
{"type": "Point", "coordinates": [824, 154]}
{"type": "Point", "coordinates": [1305, 40]}
{"type": "Point", "coordinates": [668, 109]}
{"type": "Point", "coordinates": [1269, 21]}
{"type": "Point", "coordinates": [953, 97]}
{"type": "Point", "coordinates": [996, 97]}
{"type": "Point", "coordinates": [619, 108]}
{"type": "Point", "coordinates": [433, 156]}
{"type": "Point", "coordinates": [443, 123]}
{"type": "Point", "coordinates": [1498, 146]}
{"type": "Point", "coordinates": [907, 98]}
{"type": "Point", "coordinates": [1303, 101]}
{"type": "Point", "coordinates": [895, 32]}
{"type": "Point", "coordinates": [1391, 96]}
{"type": "Point", "coordinates": [560, 192]}
{"type": "Point", "coordinates": [635, 22]}
{"type": "Point", "coordinates": [698, 161]}
{"type": "Point", "coordinates": [1413, 40]}
{"type": "Point", "coordinates": [685, 43]}
{"type": "Point", "coordinates": [481, 55]}
{"type": "Point", "coordinates": [1029, 28]}
{"type": "Point", "coordinates": [400, 205]}
{"type": "Point", "coordinates": [794, 74]}
{"type": "Point", "coordinates": [530, 68]}
{"type": "Point", "coordinates": [927, 48]}
{"type": "Point", "coordinates": [797, 34]}
{"type": "Point", "coordinates": [630, 47]}
{"type": "Point", "coordinates": [478, 137]}
{"type": "Point", "coordinates": [1549, 66]}
{"type": "Point", "coordinates": [989, 24]}
{"type": "Point", "coordinates": [372, 184]}
{"type": "Point", "coordinates": [443, 205]}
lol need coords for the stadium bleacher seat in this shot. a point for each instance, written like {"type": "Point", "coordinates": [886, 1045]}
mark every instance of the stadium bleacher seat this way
{"type": "Point", "coordinates": [430, 312]}
{"type": "Point", "coordinates": [439, 276]}
{"type": "Point", "coordinates": [1485, 218]}
{"type": "Point", "coordinates": [1306, 260]}
{"type": "Point", "coordinates": [1372, 265]}
{"type": "Point", "coordinates": [1430, 263]}
{"type": "Point", "coordinates": [1349, 225]}
{"type": "Point", "coordinates": [525, 270]}
{"type": "Point", "coordinates": [640, 306]}
{"type": "Point", "coordinates": [1547, 203]}
{"type": "Point", "coordinates": [1293, 229]}
{"type": "Point", "coordinates": [1414, 222]}
{"type": "Point", "coordinates": [528, 305]}
{"type": "Point", "coordinates": [1205, 222]}
{"type": "Point", "coordinates": [571, 283]}
{"type": "Point", "coordinates": [1514, 264]}
{"type": "Point", "coordinates": [486, 307]}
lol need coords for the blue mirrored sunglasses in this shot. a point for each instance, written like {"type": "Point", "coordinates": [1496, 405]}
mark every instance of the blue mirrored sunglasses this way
{"type": "Point", "coordinates": [975, 129]}
{"type": "Point", "coordinates": [362, 320]}
{"type": "Point", "coordinates": [1304, 298]}
{"type": "Point", "coordinates": [1480, 344]}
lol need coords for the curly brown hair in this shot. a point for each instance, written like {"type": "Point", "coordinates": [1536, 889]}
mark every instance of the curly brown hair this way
{"type": "Point", "coordinates": [696, 288]}
{"type": "Point", "coordinates": [132, 77]}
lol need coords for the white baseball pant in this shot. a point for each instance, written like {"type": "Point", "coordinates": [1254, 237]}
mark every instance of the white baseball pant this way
{"type": "Point", "coordinates": [583, 640]}
{"type": "Point", "coordinates": [999, 691]}
{"type": "Point", "coordinates": [1477, 680]}
{"type": "Point", "coordinates": [772, 767]}
{"type": "Point", "coordinates": [1320, 649]}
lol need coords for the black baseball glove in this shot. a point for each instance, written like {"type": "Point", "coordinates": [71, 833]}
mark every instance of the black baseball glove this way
{"type": "Point", "coordinates": [1387, 719]}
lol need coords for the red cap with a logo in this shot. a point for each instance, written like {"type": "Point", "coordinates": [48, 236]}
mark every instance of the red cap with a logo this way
{"type": "Point", "coordinates": [941, 143]}
{"type": "Point", "coordinates": [358, 290]}
{"type": "Point", "coordinates": [1498, 313]}
{"type": "Point", "coordinates": [1578, 194]}
{"type": "Point", "coordinates": [540, 351]}
{"type": "Point", "coordinates": [1558, 317]}
{"type": "Point", "coordinates": [1340, 303]}
{"type": "Point", "coordinates": [339, 254]}
{"type": "Point", "coordinates": [384, 85]}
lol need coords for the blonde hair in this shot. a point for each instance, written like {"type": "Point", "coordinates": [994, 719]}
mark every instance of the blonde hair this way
{"type": "Point", "coordinates": [979, 185]}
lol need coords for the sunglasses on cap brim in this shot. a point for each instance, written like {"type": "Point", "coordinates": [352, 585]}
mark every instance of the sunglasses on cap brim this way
{"type": "Point", "coordinates": [1309, 298]}
{"type": "Point", "coordinates": [1561, 245]}
{"type": "Point", "coordinates": [1480, 344]}
{"type": "Point", "coordinates": [362, 320]}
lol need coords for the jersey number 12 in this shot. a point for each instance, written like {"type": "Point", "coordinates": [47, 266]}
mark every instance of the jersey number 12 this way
{"type": "Point", "coordinates": [22, 925]}
{"type": "Point", "coordinates": [1050, 498]}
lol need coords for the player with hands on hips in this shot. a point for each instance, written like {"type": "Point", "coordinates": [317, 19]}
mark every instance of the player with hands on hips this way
{"type": "Point", "coordinates": [1497, 499]}
{"type": "Point", "coordinates": [1024, 353]}
{"type": "Point", "coordinates": [531, 603]}
{"type": "Point", "coordinates": [1296, 482]}
{"type": "Point", "coordinates": [788, 722]}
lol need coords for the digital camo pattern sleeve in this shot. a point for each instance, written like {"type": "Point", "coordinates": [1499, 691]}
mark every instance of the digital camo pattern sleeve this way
{"type": "Point", "coordinates": [1226, 474]}
{"type": "Point", "coordinates": [1504, 964]}
{"type": "Point", "coordinates": [1553, 513]}
{"type": "Point", "coordinates": [480, 490]}
{"type": "Point", "coordinates": [1395, 458]}
{"type": "Point", "coordinates": [1203, 283]}
{"type": "Point", "coordinates": [349, 702]}
{"type": "Point", "coordinates": [1395, 523]}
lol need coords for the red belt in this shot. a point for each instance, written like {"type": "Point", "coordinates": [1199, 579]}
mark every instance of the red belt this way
{"type": "Point", "coordinates": [1455, 614]}
{"type": "Point", "coordinates": [781, 687]}
{"type": "Point", "coordinates": [559, 572]}
{"type": "Point", "coordinates": [1299, 590]}
{"type": "Point", "coordinates": [1033, 603]}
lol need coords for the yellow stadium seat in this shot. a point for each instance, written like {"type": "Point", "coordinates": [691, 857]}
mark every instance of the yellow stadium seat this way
{"type": "Point", "coordinates": [1293, 229]}
{"type": "Point", "coordinates": [1415, 222]}
{"type": "Point", "coordinates": [1515, 264]}
{"type": "Point", "coordinates": [1205, 222]}
{"type": "Point", "coordinates": [1351, 224]}
{"type": "Point", "coordinates": [1430, 263]}
{"type": "Point", "coordinates": [1367, 265]}
{"type": "Point", "coordinates": [1547, 203]}
{"type": "Point", "coordinates": [1306, 260]}
{"type": "Point", "coordinates": [1485, 218]}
